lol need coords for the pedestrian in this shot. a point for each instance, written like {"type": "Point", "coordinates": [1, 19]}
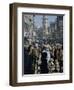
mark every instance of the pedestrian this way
{"type": "Point", "coordinates": [43, 66]}
{"type": "Point", "coordinates": [29, 68]}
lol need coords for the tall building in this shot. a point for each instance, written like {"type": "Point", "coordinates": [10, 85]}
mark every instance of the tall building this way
{"type": "Point", "coordinates": [28, 25]}
{"type": "Point", "coordinates": [45, 25]}
{"type": "Point", "coordinates": [52, 26]}
{"type": "Point", "coordinates": [59, 31]}
{"type": "Point", "coordinates": [56, 30]}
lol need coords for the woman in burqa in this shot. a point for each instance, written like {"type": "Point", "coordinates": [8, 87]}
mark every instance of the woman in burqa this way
{"type": "Point", "coordinates": [44, 66]}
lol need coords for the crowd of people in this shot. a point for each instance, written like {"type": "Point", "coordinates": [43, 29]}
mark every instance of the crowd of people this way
{"type": "Point", "coordinates": [43, 58]}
